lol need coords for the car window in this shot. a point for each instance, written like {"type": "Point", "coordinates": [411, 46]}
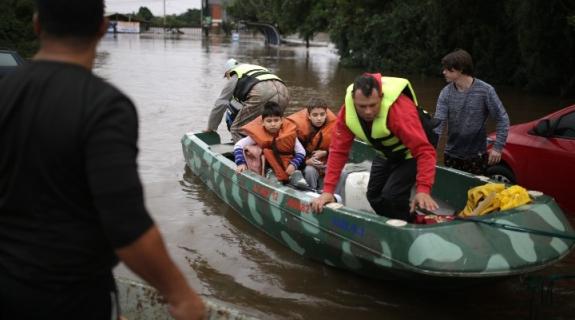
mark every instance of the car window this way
{"type": "Point", "coordinates": [566, 126]}
{"type": "Point", "coordinates": [7, 60]}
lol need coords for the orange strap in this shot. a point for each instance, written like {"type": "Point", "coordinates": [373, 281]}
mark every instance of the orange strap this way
{"type": "Point", "coordinates": [277, 166]}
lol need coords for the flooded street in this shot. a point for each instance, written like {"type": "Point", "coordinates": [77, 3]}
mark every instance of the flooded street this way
{"type": "Point", "coordinates": [174, 83]}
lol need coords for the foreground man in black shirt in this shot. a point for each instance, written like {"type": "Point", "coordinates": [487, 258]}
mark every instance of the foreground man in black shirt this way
{"type": "Point", "coordinates": [71, 200]}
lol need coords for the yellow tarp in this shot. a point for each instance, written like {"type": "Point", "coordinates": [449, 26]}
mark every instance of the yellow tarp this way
{"type": "Point", "coordinates": [491, 197]}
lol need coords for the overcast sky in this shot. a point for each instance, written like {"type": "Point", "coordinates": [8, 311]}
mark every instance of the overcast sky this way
{"type": "Point", "coordinates": [156, 6]}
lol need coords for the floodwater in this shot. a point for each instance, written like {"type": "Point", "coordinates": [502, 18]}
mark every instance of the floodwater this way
{"type": "Point", "coordinates": [174, 82]}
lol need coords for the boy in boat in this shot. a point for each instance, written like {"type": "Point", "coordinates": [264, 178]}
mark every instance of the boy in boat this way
{"type": "Point", "coordinates": [314, 129]}
{"type": "Point", "coordinates": [278, 140]}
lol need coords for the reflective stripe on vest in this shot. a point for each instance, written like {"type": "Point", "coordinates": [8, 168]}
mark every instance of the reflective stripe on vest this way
{"type": "Point", "coordinates": [391, 87]}
{"type": "Point", "coordinates": [248, 76]}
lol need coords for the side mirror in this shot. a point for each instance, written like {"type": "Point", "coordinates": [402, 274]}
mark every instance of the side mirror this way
{"type": "Point", "coordinates": [543, 128]}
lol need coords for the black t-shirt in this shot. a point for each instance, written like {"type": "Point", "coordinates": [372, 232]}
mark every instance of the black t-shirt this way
{"type": "Point", "coordinates": [69, 188]}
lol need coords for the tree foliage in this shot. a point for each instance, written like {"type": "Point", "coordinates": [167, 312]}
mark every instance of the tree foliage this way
{"type": "Point", "coordinates": [16, 30]}
{"type": "Point", "coordinates": [145, 14]}
{"type": "Point", "coordinates": [306, 17]}
{"type": "Point", "coordinates": [530, 44]}
{"type": "Point", "coordinates": [191, 19]}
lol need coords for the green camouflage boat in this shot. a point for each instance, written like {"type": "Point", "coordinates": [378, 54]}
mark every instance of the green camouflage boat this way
{"type": "Point", "coordinates": [374, 246]}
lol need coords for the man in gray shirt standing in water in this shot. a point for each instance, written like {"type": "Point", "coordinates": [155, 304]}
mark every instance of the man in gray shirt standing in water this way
{"type": "Point", "coordinates": [465, 104]}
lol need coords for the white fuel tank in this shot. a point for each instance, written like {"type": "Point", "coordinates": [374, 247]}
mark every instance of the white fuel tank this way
{"type": "Point", "coordinates": [355, 189]}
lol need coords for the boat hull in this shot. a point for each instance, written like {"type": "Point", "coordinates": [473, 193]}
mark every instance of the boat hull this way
{"type": "Point", "coordinates": [366, 244]}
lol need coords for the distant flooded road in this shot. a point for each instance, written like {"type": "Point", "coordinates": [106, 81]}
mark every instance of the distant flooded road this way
{"type": "Point", "coordinates": [174, 83]}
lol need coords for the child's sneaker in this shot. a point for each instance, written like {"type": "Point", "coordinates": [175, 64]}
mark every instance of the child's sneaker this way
{"type": "Point", "coordinates": [298, 181]}
{"type": "Point", "coordinates": [271, 176]}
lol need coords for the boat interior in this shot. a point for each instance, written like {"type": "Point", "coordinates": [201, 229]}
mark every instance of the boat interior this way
{"type": "Point", "coordinates": [450, 195]}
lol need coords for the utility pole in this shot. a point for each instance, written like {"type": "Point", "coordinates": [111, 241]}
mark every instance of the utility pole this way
{"type": "Point", "coordinates": [202, 16]}
{"type": "Point", "coordinates": [206, 17]}
{"type": "Point", "coordinates": [164, 16]}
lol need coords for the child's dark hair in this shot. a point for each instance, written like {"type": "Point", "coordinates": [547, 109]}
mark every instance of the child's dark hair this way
{"type": "Point", "coordinates": [366, 84]}
{"type": "Point", "coordinates": [313, 103]}
{"type": "Point", "coordinates": [459, 60]}
{"type": "Point", "coordinates": [272, 109]}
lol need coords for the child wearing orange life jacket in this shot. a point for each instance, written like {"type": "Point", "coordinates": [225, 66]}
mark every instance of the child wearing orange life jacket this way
{"type": "Point", "coordinates": [278, 140]}
{"type": "Point", "coordinates": [314, 128]}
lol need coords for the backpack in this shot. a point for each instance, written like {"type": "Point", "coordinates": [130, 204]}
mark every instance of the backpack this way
{"type": "Point", "coordinates": [429, 124]}
{"type": "Point", "coordinates": [427, 121]}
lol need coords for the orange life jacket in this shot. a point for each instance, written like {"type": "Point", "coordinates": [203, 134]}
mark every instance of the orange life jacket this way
{"type": "Point", "coordinates": [311, 138]}
{"type": "Point", "coordinates": [279, 149]}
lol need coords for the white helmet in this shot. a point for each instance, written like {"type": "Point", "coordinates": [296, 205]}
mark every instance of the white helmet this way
{"type": "Point", "coordinates": [230, 64]}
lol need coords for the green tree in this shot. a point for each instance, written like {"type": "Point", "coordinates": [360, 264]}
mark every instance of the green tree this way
{"type": "Point", "coordinates": [523, 43]}
{"type": "Point", "coordinates": [145, 14]}
{"type": "Point", "coordinates": [192, 18]}
{"type": "Point", "coordinates": [546, 46]}
{"type": "Point", "coordinates": [245, 10]}
{"type": "Point", "coordinates": [356, 28]}
{"type": "Point", "coordinates": [306, 17]}
{"type": "Point", "coordinates": [16, 31]}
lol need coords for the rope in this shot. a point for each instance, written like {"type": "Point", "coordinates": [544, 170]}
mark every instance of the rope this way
{"type": "Point", "coordinates": [561, 235]}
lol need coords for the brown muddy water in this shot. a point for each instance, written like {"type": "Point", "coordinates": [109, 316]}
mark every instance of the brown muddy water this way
{"type": "Point", "coordinates": [174, 83]}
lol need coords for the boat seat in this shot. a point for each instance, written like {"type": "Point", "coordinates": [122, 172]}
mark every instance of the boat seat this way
{"type": "Point", "coordinates": [356, 188]}
{"type": "Point", "coordinates": [225, 149]}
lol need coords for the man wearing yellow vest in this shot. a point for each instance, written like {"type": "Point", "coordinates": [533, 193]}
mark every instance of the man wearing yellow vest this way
{"type": "Point", "coordinates": [381, 111]}
{"type": "Point", "coordinates": [242, 99]}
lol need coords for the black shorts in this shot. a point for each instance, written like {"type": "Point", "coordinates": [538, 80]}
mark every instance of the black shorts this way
{"type": "Point", "coordinates": [88, 300]}
{"type": "Point", "coordinates": [476, 165]}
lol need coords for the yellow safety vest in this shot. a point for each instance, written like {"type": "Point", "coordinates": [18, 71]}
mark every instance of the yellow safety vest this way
{"type": "Point", "coordinates": [248, 76]}
{"type": "Point", "coordinates": [387, 143]}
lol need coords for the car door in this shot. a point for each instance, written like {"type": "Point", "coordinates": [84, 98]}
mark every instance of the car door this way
{"type": "Point", "coordinates": [552, 161]}
{"type": "Point", "coordinates": [8, 62]}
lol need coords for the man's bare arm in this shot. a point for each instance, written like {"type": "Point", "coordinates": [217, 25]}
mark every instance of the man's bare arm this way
{"type": "Point", "coordinates": [148, 258]}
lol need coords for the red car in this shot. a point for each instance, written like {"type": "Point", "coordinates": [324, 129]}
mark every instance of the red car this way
{"type": "Point", "coordinates": [540, 155]}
